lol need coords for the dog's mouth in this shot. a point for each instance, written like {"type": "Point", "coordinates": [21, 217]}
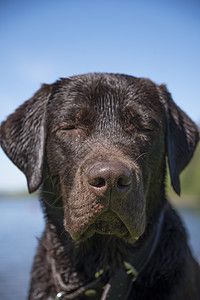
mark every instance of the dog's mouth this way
{"type": "Point", "coordinates": [107, 223]}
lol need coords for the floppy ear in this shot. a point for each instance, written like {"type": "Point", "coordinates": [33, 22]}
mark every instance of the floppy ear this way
{"type": "Point", "coordinates": [182, 136]}
{"type": "Point", "coordinates": [22, 136]}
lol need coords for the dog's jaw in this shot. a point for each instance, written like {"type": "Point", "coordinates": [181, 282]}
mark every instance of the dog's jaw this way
{"type": "Point", "coordinates": [107, 224]}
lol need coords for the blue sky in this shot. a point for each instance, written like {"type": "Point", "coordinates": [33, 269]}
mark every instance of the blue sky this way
{"type": "Point", "coordinates": [44, 40]}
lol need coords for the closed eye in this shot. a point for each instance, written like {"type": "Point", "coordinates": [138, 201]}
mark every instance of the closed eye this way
{"type": "Point", "coordinates": [72, 131]}
{"type": "Point", "coordinates": [65, 127]}
{"type": "Point", "coordinates": [68, 127]}
{"type": "Point", "coordinates": [140, 129]}
{"type": "Point", "coordinates": [145, 129]}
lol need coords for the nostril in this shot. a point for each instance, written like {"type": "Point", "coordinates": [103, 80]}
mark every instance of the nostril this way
{"type": "Point", "coordinates": [123, 181]}
{"type": "Point", "coordinates": [108, 176]}
{"type": "Point", "coordinates": [97, 182]}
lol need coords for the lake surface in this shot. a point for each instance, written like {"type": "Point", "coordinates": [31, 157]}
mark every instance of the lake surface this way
{"type": "Point", "coordinates": [21, 222]}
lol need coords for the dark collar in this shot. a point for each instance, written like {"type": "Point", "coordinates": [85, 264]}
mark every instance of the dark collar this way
{"type": "Point", "coordinates": [120, 284]}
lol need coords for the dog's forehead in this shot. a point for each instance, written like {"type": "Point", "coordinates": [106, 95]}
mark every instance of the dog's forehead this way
{"type": "Point", "coordinates": [99, 93]}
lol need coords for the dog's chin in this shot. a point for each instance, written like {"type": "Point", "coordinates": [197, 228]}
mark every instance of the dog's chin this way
{"type": "Point", "coordinates": [107, 224]}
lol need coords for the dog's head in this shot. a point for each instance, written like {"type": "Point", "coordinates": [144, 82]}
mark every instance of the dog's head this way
{"type": "Point", "coordinates": [104, 138]}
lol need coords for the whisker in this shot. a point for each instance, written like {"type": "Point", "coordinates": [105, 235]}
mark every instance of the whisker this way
{"type": "Point", "coordinates": [141, 155]}
{"type": "Point", "coordinates": [53, 204]}
{"type": "Point", "coordinates": [50, 193]}
{"type": "Point", "coordinates": [63, 232]}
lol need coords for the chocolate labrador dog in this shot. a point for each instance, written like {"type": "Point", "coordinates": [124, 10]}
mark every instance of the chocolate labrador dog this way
{"type": "Point", "coordinates": [96, 145]}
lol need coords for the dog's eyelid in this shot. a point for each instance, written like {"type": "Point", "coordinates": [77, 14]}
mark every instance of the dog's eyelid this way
{"type": "Point", "coordinates": [145, 129]}
{"type": "Point", "coordinates": [149, 125]}
{"type": "Point", "coordinates": [70, 127]}
{"type": "Point", "coordinates": [64, 127]}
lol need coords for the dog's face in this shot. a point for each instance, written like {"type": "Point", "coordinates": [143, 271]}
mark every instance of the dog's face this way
{"type": "Point", "coordinates": [105, 138]}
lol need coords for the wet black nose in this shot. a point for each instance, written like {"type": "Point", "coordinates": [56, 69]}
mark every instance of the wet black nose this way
{"type": "Point", "coordinates": [114, 176]}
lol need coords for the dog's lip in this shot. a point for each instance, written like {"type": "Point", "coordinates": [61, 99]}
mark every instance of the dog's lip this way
{"type": "Point", "coordinates": [108, 223]}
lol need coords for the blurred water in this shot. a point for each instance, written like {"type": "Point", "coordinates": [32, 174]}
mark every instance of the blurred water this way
{"type": "Point", "coordinates": [21, 221]}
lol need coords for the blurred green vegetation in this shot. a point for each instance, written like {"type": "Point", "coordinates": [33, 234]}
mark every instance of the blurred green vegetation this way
{"type": "Point", "coordinates": [190, 182]}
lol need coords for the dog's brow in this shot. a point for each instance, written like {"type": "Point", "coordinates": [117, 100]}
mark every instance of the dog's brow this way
{"type": "Point", "coordinates": [142, 115]}
{"type": "Point", "coordinates": [79, 113]}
